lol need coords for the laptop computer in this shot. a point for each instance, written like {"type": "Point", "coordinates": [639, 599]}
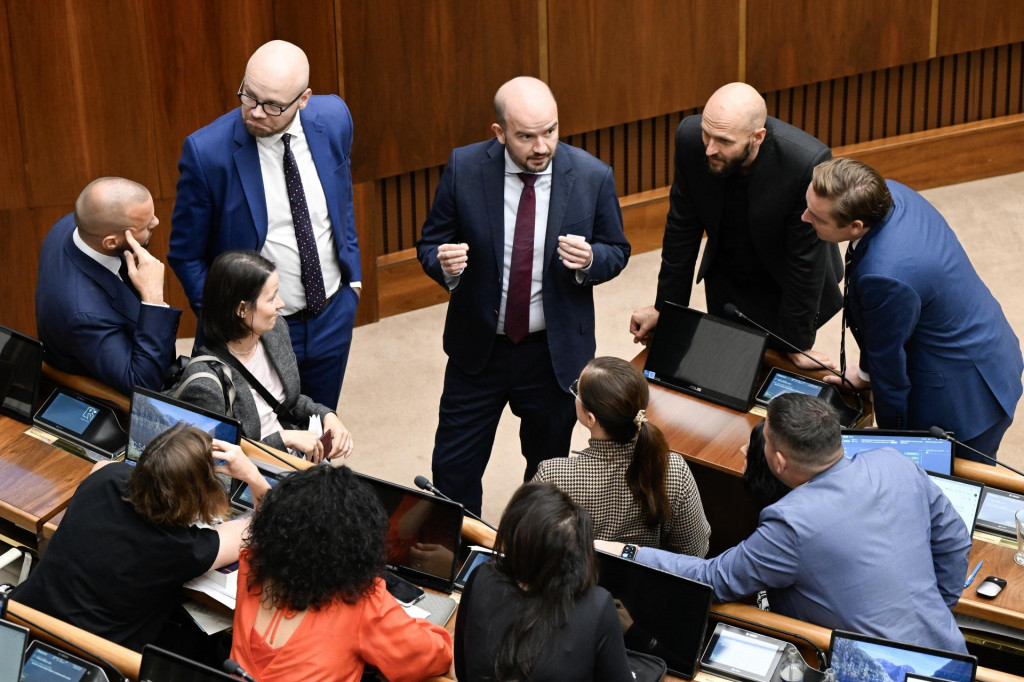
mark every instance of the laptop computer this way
{"type": "Point", "coordinates": [858, 657]}
{"type": "Point", "coordinates": [160, 665]}
{"type": "Point", "coordinates": [153, 413]}
{"type": "Point", "coordinates": [931, 454]}
{"type": "Point", "coordinates": [21, 370]}
{"type": "Point", "coordinates": [13, 639]}
{"type": "Point", "coordinates": [82, 425]}
{"type": "Point", "coordinates": [669, 613]}
{"type": "Point", "coordinates": [44, 663]}
{"type": "Point", "coordinates": [964, 494]}
{"type": "Point", "coordinates": [418, 518]}
{"type": "Point", "coordinates": [705, 356]}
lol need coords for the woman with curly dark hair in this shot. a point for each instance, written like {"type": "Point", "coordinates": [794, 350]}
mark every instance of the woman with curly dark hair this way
{"type": "Point", "coordinates": [535, 613]}
{"type": "Point", "coordinates": [311, 602]}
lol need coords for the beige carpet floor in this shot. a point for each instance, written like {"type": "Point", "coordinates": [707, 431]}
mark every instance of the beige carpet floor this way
{"type": "Point", "coordinates": [395, 373]}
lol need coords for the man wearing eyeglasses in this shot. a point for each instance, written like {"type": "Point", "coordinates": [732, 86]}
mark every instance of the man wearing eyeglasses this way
{"type": "Point", "coordinates": [273, 176]}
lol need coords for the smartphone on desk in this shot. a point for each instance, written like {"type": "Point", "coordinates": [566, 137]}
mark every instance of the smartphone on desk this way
{"type": "Point", "coordinates": [402, 590]}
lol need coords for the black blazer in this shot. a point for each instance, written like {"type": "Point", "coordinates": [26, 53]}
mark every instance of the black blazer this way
{"type": "Point", "coordinates": [806, 269]}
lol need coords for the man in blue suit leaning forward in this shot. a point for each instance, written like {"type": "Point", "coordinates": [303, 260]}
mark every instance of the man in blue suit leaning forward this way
{"type": "Point", "coordinates": [273, 176]}
{"type": "Point", "coordinates": [100, 308]}
{"type": "Point", "coordinates": [520, 231]}
{"type": "Point", "coordinates": [935, 347]}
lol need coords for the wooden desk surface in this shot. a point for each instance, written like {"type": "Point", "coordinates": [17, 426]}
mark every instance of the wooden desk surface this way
{"type": "Point", "coordinates": [36, 479]}
{"type": "Point", "coordinates": [1008, 605]}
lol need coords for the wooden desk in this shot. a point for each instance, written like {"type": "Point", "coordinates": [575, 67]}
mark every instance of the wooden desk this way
{"type": "Point", "coordinates": [1006, 608]}
{"type": "Point", "coordinates": [37, 480]}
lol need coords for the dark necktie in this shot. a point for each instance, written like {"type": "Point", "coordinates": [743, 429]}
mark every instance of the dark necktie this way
{"type": "Point", "coordinates": [520, 275]}
{"type": "Point", "coordinates": [123, 274]}
{"type": "Point", "coordinates": [847, 264]}
{"type": "Point", "coordinates": [309, 260]}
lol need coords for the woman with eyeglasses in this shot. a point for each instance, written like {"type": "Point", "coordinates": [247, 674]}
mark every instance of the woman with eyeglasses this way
{"type": "Point", "coordinates": [635, 490]}
{"type": "Point", "coordinates": [535, 612]}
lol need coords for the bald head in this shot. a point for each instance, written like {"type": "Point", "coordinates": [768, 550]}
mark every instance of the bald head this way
{"type": "Point", "coordinates": [522, 97]}
{"type": "Point", "coordinates": [527, 124]}
{"type": "Point", "coordinates": [279, 64]}
{"type": "Point", "coordinates": [277, 76]}
{"type": "Point", "coordinates": [109, 206]}
{"type": "Point", "coordinates": [733, 124]}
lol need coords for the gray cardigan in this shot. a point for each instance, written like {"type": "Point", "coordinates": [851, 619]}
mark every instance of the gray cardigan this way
{"type": "Point", "coordinates": [205, 393]}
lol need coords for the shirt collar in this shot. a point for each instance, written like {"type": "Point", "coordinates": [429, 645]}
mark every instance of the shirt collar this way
{"type": "Point", "coordinates": [112, 263]}
{"type": "Point", "coordinates": [512, 168]}
{"type": "Point", "coordinates": [295, 130]}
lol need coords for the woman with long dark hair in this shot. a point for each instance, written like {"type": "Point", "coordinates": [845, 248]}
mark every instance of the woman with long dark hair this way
{"type": "Point", "coordinates": [312, 606]}
{"type": "Point", "coordinates": [535, 612]}
{"type": "Point", "coordinates": [241, 325]}
{"type": "Point", "coordinates": [635, 489]}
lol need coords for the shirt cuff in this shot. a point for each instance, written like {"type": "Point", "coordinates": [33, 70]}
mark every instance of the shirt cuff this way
{"type": "Point", "coordinates": [452, 281]}
{"type": "Point", "coordinates": [356, 285]}
{"type": "Point", "coordinates": [864, 376]}
{"type": "Point", "coordinates": [156, 305]}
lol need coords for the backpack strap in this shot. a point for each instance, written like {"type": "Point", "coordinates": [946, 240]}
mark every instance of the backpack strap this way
{"type": "Point", "coordinates": [217, 375]}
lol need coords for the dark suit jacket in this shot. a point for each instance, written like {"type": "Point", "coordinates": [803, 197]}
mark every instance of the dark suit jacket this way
{"type": "Point", "coordinates": [805, 268]}
{"type": "Point", "coordinates": [935, 341]}
{"type": "Point", "coordinates": [469, 207]}
{"type": "Point", "coordinates": [205, 393]}
{"type": "Point", "coordinates": [91, 323]}
{"type": "Point", "coordinates": [221, 205]}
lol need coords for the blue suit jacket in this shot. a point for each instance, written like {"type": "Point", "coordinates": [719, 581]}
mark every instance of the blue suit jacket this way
{"type": "Point", "coordinates": [221, 206]}
{"type": "Point", "coordinates": [469, 207]}
{"type": "Point", "coordinates": [828, 553]}
{"type": "Point", "coordinates": [938, 348]}
{"type": "Point", "coordinates": [91, 323]}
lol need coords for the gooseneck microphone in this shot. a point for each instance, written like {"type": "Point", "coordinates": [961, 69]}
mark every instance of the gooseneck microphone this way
{"type": "Point", "coordinates": [423, 483]}
{"type": "Point", "coordinates": [231, 667]}
{"type": "Point", "coordinates": [942, 434]}
{"type": "Point", "coordinates": [733, 311]}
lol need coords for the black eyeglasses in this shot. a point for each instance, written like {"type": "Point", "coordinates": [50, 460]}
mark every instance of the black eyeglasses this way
{"type": "Point", "coordinates": [269, 108]}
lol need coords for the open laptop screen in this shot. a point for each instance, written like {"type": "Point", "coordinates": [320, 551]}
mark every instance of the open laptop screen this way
{"type": "Point", "coordinates": [931, 454]}
{"type": "Point", "coordinates": [965, 495]}
{"type": "Point", "coordinates": [858, 658]}
{"type": "Point", "coordinates": [44, 663]}
{"type": "Point", "coordinates": [424, 534]}
{"type": "Point", "coordinates": [13, 639]}
{"type": "Point", "coordinates": [669, 613]}
{"type": "Point", "coordinates": [159, 665]}
{"type": "Point", "coordinates": [705, 356]}
{"type": "Point", "coordinates": [153, 413]}
{"type": "Point", "coordinates": [21, 362]}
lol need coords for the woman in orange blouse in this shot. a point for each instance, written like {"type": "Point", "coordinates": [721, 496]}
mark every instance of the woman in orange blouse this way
{"type": "Point", "coordinates": [311, 603]}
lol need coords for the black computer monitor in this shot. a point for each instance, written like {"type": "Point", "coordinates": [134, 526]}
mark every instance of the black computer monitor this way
{"type": "Point", "coordinates": [153, 413]}
{"type": "Point", "coordinates": [930, 453]}
{"type": "Point", "coordinates": [860, 658]}
{"type": "Point", "coordinates": [669, 613]}
{"type": "Point", "coordinates": [13, 640]}
{"type": "Point", "coordinates": [21, 362]}
{"type": "Point", "coordinates": [160, 665]}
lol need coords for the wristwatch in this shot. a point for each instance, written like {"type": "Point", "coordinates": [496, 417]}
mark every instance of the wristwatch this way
{"type": "Point", "coordinates": [629, 552]}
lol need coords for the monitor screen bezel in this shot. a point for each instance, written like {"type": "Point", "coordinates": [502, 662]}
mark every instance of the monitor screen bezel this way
{"type": "Point", "coordinates": [959, 479]}
{"type": "Point", "coordinates": [991, 526]}
{"type": "Point", "coordinates": [79, 440]}
{"type": "Point", "coordinates": [152, 652]}
{"type": "Point", "coordinates": [25, 418]}
{"type": "Point", "coordinates": [893, 644]}
{"type": "Point", "coordinates": [156, 395]}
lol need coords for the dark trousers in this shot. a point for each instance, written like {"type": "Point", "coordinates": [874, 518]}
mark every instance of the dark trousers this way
{"type": "Point", "coordinates": [321, 346]}
{"type": "Point", "coordinates": [519, 375]}
{"type": "Point", "coordinates": [987, 441]}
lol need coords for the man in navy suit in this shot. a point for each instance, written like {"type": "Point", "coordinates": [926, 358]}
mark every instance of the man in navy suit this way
{"type": "Point", "coordinates": [273, 176]}
{"type": "Point", "coordinates": [100, 308]}
{"type": "Point", "coordinates": [935, 346]}
{"type": "Point", "coordinates": [520, 231]}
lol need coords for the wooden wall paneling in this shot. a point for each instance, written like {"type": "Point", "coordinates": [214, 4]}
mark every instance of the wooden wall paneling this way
{"type": "Point", "coordinates": [174, 293]}
{"type": "Point", "coordinates": [310, 24]}
{"type": "Point", "coordinates": [12, 161]}
{"type": "Point", "coordinates": [1015, 79]}
{"type": "Point", "coordinates": [973, 24]}
{"type": "Point", "coordinates": [22, 231]}
{"type": "Point", "coordinates": [83, 97]}
{"type": "Point", "coordinates": [197, 56]}
{"type": "Point", "coordinates": [614, 62]}
{"type": "Point", "coordinates": [420, 77]}
{"type": "Point", "coordinates": [805, 41]}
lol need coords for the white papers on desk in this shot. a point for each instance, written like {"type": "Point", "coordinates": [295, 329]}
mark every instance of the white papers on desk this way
{"type": "Point", "coordinates": [415, 611]}
{"type": "Point", "coordinates": [216, 588]}
{"type": "Point", "coordinates": [209, 620]}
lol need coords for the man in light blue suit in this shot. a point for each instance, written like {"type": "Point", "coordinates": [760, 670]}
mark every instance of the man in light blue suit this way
{"type": "Point", "coordinates": [935, 347]}
{"type": "Point", "coordinates": [829, 551]}
{"type": "Point", "coordinates": [100, 308]}
{"type": "Point", "coordinates": [273, 176]}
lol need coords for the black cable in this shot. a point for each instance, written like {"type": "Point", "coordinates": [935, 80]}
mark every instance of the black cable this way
{"type": "Point", "coordinates": [269, 452]}
{"type": "Point", "coordinates": [818, 651]}
{"type": "Point", "coordinates": [78, 647]}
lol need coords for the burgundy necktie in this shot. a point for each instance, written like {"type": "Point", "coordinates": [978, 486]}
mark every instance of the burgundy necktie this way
{"type": "Point", "coordinates": [520, 275]}
{"type": "Point", "coordinates": [309, 260]}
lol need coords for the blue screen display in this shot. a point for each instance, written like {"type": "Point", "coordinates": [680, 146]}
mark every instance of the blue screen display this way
{"type": "Point", "coordinates": [152, 416]}
{"type": "Point", "coordinates": [857, 661]}
{"type": "Point", "coordinates": [931, 454]}
{"type": "Point", "coordinates": [70, 414]}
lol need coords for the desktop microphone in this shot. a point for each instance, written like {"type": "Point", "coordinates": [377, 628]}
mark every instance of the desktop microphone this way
{"type": "Point", "coordinates": [942, 434]}
{"type": "Point", "coordinates": [423, 483]}
{"type": "Point", "coordinates": [231, 667]}
{"type": "Point", "coordinates": [733, 311]}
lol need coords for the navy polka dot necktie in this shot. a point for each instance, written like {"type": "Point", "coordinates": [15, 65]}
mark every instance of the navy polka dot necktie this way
{"type": "Point", "coordinates": [309, 259]}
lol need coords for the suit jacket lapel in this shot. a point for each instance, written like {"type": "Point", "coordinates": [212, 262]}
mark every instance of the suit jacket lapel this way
{"type": "Point", "coordinates": [562, 182]}
{"type": "Point", "coordinates": [247, 162]}
{"type": "Point", "coordinates": [493, 169]}
{"type": "Point", "coordinates": [121, 297]}
{"type": "Point", "coordinates": [320, 148]}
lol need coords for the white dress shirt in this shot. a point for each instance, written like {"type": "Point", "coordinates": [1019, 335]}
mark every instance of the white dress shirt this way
{"type": "Point", "coordinates": [112, 263]}
{"type": "Point", "coordinates": [281, 246]}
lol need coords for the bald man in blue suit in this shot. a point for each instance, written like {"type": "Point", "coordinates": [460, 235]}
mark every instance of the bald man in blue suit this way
{"type": "Point", "coordinates": [936, 348]}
